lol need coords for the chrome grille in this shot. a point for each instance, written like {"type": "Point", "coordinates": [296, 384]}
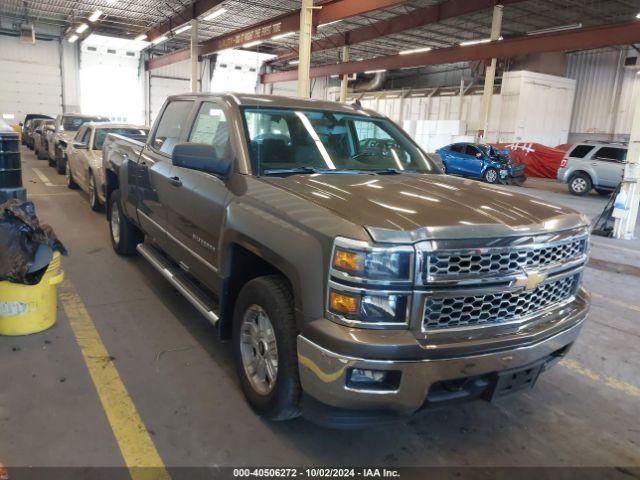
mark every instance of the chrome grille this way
{"type": "Point", "coordinates": [475, 263]}
{"type": "Point", "coordinates": [495, 308]}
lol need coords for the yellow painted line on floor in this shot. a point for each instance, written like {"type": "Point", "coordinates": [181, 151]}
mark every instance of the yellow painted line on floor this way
{"type": "Point", "coordinates": [614, 383]}
{"type": "Point", "coordinates": [619, 303]}
{"type": "Point", "coordinates": [136, 446]}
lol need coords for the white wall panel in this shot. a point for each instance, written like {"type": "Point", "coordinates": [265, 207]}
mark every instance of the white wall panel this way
{"type": "Point", "coordinates": [29, 78]}
{"type": "Point", "coordinates": [166, 81]}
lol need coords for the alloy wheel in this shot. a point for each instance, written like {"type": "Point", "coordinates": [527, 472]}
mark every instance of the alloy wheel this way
{"type": "Point", "coordinates": [259, 350]}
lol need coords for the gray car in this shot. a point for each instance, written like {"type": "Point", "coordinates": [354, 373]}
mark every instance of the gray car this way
{"type": "Point", "coordinates": [593, 165]}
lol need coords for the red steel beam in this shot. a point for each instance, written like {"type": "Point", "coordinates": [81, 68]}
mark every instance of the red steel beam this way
{"type": "Point", "coordinates": [586, 38]}
{"type": "Point", "coordinates": [167, 59]}
{"type": "Point", "coordinates": [414, 19]}
{"type": "Point", "coordinates": [290, 22]}
{"type": "Point", "coordinates": [187, 14]}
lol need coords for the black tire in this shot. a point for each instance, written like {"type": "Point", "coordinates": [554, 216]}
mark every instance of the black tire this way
{"type": "Point", "coordinates": [94, 201]}
{"type": "Point", "coordinates": [580, 184]}
{"type": "Point", "coordinates": [128, 236]}
{"type": "Point", "coordinates": [272, 294]}
{"type": "Point", "coordinates": [71, 183]}
{"type": "Point", "coordinates": [603, 192]}
{"type": "Point", "coordinates": [52, 161]}
{"type": "Point", "coordinates": [491, 175]}
{"type": "Point", "coordinates": [61, 163]}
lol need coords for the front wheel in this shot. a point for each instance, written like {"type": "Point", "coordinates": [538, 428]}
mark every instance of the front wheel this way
{"type": "Point", "coordinates": [491, 175]}
{"type": "Point", "coordinates": [61, 163]}
{"type": "Point", "coordinates": [125, 236]}
{"type": "Point", "coordinates": [94, 201]}
{"type": "Point", "coordinates": [71, 183]}
{"type": "Point", "coordinates": [264, 345]}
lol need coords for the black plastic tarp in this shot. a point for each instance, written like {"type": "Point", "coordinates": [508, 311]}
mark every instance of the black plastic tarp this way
{"type": "Point", "coordinates": [26, 245]}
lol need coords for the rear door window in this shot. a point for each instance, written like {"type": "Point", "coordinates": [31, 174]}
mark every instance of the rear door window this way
{"type": "Point", "coordinates": [611, 154]}
{"type": "Point", "coordinates": [457, 148]}
{"type": "Point", "coordinates": [173, 120]}
{"type": "Point", "coordinates": [581, 151]}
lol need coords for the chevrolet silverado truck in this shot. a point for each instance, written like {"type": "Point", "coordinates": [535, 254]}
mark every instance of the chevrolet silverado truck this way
{"type": "Point", "coordinates": [355, 283]}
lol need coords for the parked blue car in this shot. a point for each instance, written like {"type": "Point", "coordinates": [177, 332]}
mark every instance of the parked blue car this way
{"type": "Point", "coordinates": [477, 160]}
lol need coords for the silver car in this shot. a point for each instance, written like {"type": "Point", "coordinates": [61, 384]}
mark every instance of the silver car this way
{"type": "Point", "coordinates": [84, 157]}
{"type": "Point", "coordinates": [593, 165]}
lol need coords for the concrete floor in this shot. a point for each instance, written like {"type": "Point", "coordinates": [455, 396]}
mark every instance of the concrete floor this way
{"type": "Point", "coordinates": [584, 412]}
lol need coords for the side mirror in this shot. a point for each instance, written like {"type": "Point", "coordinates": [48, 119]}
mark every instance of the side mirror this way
{"type": "Point", "coordinates": [21, 124]}
{"type": "Point", "coordinates": [201, 157]}
{"type": "Point", "coordinates": [80, 146]}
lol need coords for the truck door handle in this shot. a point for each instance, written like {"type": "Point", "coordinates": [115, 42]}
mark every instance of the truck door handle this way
{"type": "Point", "coordinates": [175, 181]}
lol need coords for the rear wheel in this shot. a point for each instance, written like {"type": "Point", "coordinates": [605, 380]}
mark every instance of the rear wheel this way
{"type": "Point", "coordinates": [491, 175]}
{"type": "Point", "coordinates": [580, 184]}
{"type": "Point", "coordinates": [94, 201]}
{"type": "Point", "coordinates": [125, 236]}
{"type": "Point", "coordinates": [264, 344]}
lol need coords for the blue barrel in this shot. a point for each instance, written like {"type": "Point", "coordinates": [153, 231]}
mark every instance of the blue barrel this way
{"type": "Point", "coordinates": [10, 167]}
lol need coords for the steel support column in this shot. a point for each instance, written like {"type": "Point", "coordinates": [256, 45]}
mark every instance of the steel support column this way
{"type": "Point", "coordinates": [490, 75]}
{"type": "Point", "coordinates": [304, 48]}
{"type": "Point", "coordinates": [344, 82]}
{"type": "Point", "coordinates": [194, 56]}
{"type": "Point", "coordinates": [625, 222]}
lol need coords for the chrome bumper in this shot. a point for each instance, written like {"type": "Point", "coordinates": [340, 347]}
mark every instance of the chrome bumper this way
{"type": "Point", "coordinates": [323, 373]}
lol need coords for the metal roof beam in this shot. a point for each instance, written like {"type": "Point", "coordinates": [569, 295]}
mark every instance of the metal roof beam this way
{"type": "Point", "coordinates": [331, 11]}
{"type": "Point", "coordinates": [414, 19]}
{"type": "Point", "coordinates": [586, 38]}
{"type": "Point", "coordinates": [182, 17]}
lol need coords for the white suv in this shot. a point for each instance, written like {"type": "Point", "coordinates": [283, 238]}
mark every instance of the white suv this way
{"type": "Point", "coordinates": [589, 165]}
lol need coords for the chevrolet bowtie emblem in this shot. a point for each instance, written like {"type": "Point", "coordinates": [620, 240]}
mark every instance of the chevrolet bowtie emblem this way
{"type": "Point", "coordinates": [530, 280]}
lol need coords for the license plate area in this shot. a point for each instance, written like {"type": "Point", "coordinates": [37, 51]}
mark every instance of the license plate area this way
{"type": "Point", "coordinates": [516, 380]}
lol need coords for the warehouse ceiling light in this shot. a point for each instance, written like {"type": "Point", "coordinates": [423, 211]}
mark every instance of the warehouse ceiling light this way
{"type": "Point", "coordinates": [415, 50]}
{"type": "Point", "coordinates": [141, 37]}
{"type": "Point", "coordinates": [73, 38]}
{"type": "Point", "coordinates": [560, 28]}
{"type": "Point", "coordinates": [322, 25]}
{"type": "Point", "coordinates": [294, 62]}
{"type": "Point", "coordinates": [158, 40]}
{"type": "Point", "coordinates": [376, 71]}
{"type": "Point", "coordinates": [95, 15]}
{"type": "Point", "coordinates": [82, 28]}
{"type": "Point", "coordinates": [214, 14]}
{"type": "Point", "coordinates": [183, 29]}
{"type": "Point", "coordinates": [252, 44]}
{"type": "Point", "coordinates": [283, 35]}
{"type": "Point", "coordinates": [477, 42]}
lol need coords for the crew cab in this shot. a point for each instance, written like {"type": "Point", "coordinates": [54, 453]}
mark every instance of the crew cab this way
{"type": "Point", "coordinates": [354, 282]}
{"type": "Point", "coordinates": [476, 160]}
{"type": "Point", "coordinates": [66, 127]}
{"type": "Point", "coordinates": [84, 157]}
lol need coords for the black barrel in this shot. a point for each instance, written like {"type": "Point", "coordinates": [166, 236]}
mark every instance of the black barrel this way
{"type": "Point", "coordinates": [10, 167]}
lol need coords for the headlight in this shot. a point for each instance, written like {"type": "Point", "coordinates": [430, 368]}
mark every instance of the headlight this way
{"type": "Point", "coordinates": [360, 261]}
{"type": "Point", "coordinates": [370, 285]}
{"type": "Point", "coordinates": [368, 309]}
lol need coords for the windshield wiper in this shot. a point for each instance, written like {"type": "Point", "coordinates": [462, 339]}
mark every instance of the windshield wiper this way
{"type": "Point", "coordinates": [388, 171]}
{"type": "Point", "coordinates": [276, 171]}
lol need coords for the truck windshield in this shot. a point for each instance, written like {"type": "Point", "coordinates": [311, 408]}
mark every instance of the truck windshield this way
{"type": "Point", "coordinates": [310, 141]}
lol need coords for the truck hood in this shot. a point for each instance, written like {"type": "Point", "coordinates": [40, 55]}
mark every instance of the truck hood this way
{"type": "Point", "coordinates": [411, 207]}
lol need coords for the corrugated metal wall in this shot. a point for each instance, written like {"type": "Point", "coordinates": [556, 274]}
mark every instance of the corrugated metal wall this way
{"type": "Point", "coordinates": [606, 94]}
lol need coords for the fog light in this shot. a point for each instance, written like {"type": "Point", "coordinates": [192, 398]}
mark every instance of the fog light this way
{"type": "Point", "coordinates": [379, 380]}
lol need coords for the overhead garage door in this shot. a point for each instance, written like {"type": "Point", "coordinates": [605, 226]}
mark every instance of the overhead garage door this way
{"type": "Point", "coordinates": [166, 81]}
{"type": "Point", "coordinates": [29, 78]}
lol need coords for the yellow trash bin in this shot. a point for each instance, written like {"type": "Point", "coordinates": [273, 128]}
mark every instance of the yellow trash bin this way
{"type": "Point", "coordinates": [26, 309]}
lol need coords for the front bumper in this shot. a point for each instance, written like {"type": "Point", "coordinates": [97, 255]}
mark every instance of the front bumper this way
{"type": "Point", "coordinates": [562, 175]}
{"type": "Point", "coordinates": [324, 373]}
